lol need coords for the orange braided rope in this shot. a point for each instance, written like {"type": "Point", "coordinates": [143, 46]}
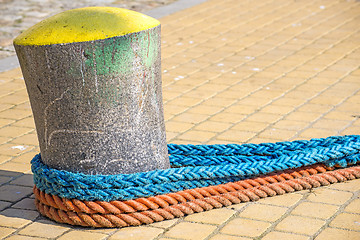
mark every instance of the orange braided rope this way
{"type": "Point", "coordinates": [162, 207]}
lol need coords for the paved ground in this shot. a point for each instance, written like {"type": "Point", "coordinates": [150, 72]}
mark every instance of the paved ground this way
{"type": "Point", "coordinates": [234, 71]}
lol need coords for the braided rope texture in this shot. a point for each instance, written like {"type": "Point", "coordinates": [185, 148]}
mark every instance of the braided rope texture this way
{"type": "Point", "coordinates": [198, 166]}
{"type": "Point", "coordinates": [168, 206]}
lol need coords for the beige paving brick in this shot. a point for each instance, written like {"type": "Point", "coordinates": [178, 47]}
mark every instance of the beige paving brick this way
{"type": "Point", "coordinates": [287, 101]}
{"type": "Point", "coordinates": [21, 237]}
{"type": "Point", "coordinates": [277, 109]}
{"type": "Point", "coordinates": [15, 218]}
{"type": "Point", "coordinates": [188, 230]}
{"type": "Point", "coordinates": [352, 185]}
{"type": "Point", "coordinates": [353, 207]}
{"type": "Point", "coordinates": [330, 196]}
{"type": "Point", "coordinates": [324, 100]}
{"type": "Point", "coordinates": [202, 95]}
{"type": "Point", "coordinates": [185, 101]}
{"type": "Point", "coordinates": [336, 234]}
{"type": "Point", "coordinates": [44, 228]}
{"type": "Point", "coordinates": [315, 108]}
{"type": "Point", "coordinates": [197, 136]}
{"type": "Point", "coordinates": [242, 109]}
{"type": "Point", "coordinates": [212, 126]}
{"type": "Point", "coordinates": [205, 109]}
{"type": "Point", "coordinates": [286, 200]}
{"type": "Point", "coordinates": [221, 102]}
{"type": "Point", "coordinates": [4, 232]}
{"type": "Point", "coordinates": [255, 101]}
{"type": "Point", "coordinates": [264, 117]}
{"type": "Point", "coordinates": [13, 193]}
{"type": "Point", "coordinates": [11, 74]}
{"type": "Point", "coordinates": [4, 158]}
{"type": "Point", "coordinates": [290, 125]}
{"type": "Point", "coordinates": [233, 94]}
{"type": "Point", "coordinates": [236, 136]}
{"type": "Point", "coordinates": [177, 127]}
{"type": "Point", "coordinates": [227, 117]}
{"type": "Point", "coordinates": [317, 133]}
{"type": "Point", "coordinates": [337, 115]}
{"type": "Point", "coordinates": [274, 235]}
{"type": "Point", "coordinates": [249, 126]}
{"type": "Point", "coordinates": [263, 212]}
{"type": "Point", "coordinates": [18, 168]}
{"type": "Point", "coordinates": [227, 237]}
{"type": "Point", "coordinates": [301, 225]}
{"type": "Point", "coordinates": [164, 224]}
{"type": "Point", "coordinates": [27, 139]}
{"type": "Point", "coordinates": [346, 221]}
{"type": "Point", "coordinates": [11, 131]}
{"type": "Point", "coordinates": [173, 109]}
{"type": "Point", "coordinates": [137, 233]}
{"type": "Point", "coordinates": [82, 235]}
{"type": "Point", "coordinates": [279, 134]}
{"type": "Point", "coordinates": [13, 149]}
{"type": "Point", "coordinates": [14, 113]}
{"type": "Point", "coordinates": [331, 124]}
{"type": "Point", "coordinates": [245, 227]}
{"type": "Point", "coordinates": [350, 130]}
{"type": "Point", "coordinates": [25, 157]}
{"type": "Point", "coordinates": [316, 210]}
{"type": "Point", "coordinates": [216, 216]}
{"type": "Point", "coordinates": [190, 118]}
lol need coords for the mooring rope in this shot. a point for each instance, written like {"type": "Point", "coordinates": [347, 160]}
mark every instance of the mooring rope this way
{"type": "Point", "coordinates": [164, 207]}
{"type": "Point", "coordinates": [201, 177]}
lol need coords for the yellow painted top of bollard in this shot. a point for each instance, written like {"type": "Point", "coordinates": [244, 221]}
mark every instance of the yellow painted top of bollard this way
{"type": "Point", "coordinates": [85, 24]}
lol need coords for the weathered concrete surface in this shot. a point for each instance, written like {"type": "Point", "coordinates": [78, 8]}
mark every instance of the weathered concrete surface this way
{"type": "Point", "coordinates": [98, 104]}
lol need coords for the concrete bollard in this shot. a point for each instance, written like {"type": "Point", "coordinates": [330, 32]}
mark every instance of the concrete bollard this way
{"type": "Point", "coordinates": [93, 77]}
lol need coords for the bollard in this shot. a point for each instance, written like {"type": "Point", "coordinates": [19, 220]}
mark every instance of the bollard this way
{"type": "Point", "coordinates": [93, 76]}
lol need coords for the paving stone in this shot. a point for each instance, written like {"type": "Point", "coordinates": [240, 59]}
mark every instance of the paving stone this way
{"type": "Point", "coordinates": [274, 235]}
{"type": "Point", "coordinates": [286, 200]}
{"type": "Point", "coordinates": [347, 221]}
{"type": "Point", "coordinates": [352, 185]}
{"type": "Point", "coordinates": [263, 212]}
{"type": "Point", "coordinates": [18, 168]}
{"type": "Point", "coordinates": [213, 126]}
{"type": "Point", "coordinates": [82, 235]}
{"type": "Point", "coordinates": [353, 207]}
{"type": "Point", "coordinates": [191, 231]}
{"type": "Point", "coordinates": [270, 66]}
{"type": "Point", "coordinates": [24, 180]}
{"type": "Point", "coordinates": [165, 224]}
{"type": "Point", "coordinates": [199, 136]}
{"type": "Point", "coordinates": [44, 228]}
{"type": "Point", "coordinates": [4, 232]}
{"type": "Point", "coordinates": [316, 210]}
{"type": "Point", "coordinates": [227, 237]}
{"type": "Point", "coordinates": [137, 233]}
{"type": "Point", "coordinates": [216, 216]}
{"type": "Point", "coordinates": [300, 225]}
{"type": "Point", "coordinates": [326, 195]}
{"type": "Point", "coordinates": [26, 203]}
{"type": "Point", "coordinates": [21, 237]}
{"type": "Point", "coordinates": [245, 227]}
{"type": "Point", "coordinates": [336, 234]}
{"type": "Point", "coordinates": [13, 193]}
{"type": "Point", "coordinates": [16, 218]}
{"type": "Point", "coordinates": [4, 205]}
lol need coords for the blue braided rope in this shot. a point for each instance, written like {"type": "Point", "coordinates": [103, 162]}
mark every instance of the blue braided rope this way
{"type": "Point", "coordinates": [196, 166]}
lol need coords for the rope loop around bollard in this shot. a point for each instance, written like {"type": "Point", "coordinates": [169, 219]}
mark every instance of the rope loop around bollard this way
{"type": "Point", "coordinates": [197, 166]}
